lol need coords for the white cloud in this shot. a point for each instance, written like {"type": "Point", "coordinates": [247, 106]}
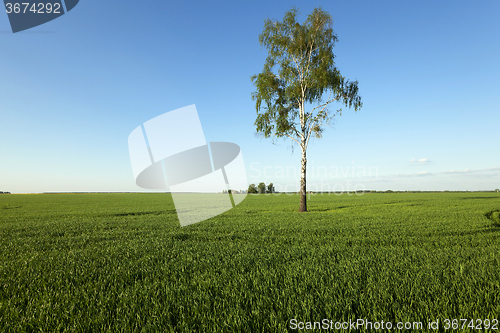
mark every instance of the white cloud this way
{"type": "Point", "coordinates": [420, 160]}
{"type": "Point", "coordinates": [477, 172]}
{"type": "Point", "coordinates": [460, 180]}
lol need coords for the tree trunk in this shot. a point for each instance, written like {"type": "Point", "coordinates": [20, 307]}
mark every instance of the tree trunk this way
{"type": "Point", "coordinates": [303, 196]}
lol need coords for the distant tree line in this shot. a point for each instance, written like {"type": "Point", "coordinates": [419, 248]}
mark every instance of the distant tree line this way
{"type": "Point", "coordinates": [261, 188]}
{"type": "Point", "coordinates": [234, 191]}
{"type": "Point", "coordinates": [418, 191]}
{"type": "Point", "coordinates": [1, 192]}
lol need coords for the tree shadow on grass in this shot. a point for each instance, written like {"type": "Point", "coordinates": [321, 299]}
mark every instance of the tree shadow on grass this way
{"type": "Point", "coordinates": [159, 212]}
{"type": "Point", "coordinates": [329, 209]}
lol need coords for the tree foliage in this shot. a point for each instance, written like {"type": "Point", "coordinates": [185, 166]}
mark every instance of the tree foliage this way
{"type": "Point", "coordinates": [299, 70]}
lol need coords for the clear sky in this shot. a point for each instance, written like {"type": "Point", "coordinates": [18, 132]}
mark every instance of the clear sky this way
{"type": "Point", "coordinates": [73, 89]}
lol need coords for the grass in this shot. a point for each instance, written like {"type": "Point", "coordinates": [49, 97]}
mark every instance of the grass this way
{"type": "Point", "coordinates": [122, 263]}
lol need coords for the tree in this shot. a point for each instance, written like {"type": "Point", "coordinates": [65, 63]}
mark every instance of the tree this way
{"type": "Point", "coordinates": [300, 71]}
{"type": "Point", "coordinates": [252, 189]}
{"type": "Point", "coordinates": [261, 187]}
{"type": "Point", "coordinates": [270, 188]}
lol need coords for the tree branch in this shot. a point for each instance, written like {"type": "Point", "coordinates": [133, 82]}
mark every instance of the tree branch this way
{"type": "Point", "coordinates": [291, 137]}
{"type": "Point", "coordinates": [324, 105]}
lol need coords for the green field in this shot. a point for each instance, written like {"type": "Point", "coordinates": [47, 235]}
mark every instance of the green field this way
{"type": "Point", "coordinates": [122, 263]}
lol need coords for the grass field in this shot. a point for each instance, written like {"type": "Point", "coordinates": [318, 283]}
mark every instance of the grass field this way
{"type": "Point", "coordinates": [122, 263]}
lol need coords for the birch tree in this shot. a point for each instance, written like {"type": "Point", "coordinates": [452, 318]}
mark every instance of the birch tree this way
{"type": "Point", "coordinates": [299, 83]}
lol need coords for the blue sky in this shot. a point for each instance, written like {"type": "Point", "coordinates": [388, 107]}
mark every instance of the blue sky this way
{"type": "Point", "coordinates": [73, 89]}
